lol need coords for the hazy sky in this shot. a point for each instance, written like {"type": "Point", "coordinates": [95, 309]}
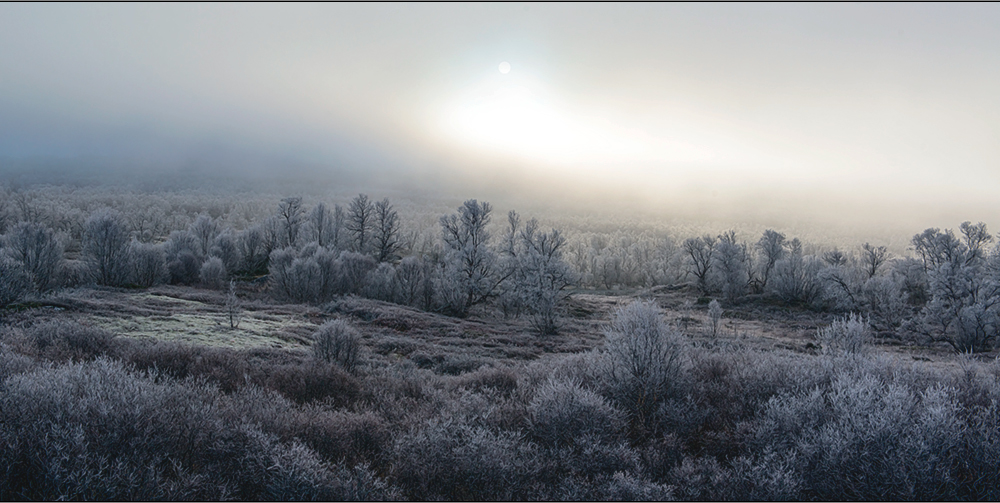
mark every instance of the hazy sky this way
{"type": "Point", "coordinates": [868, 111]}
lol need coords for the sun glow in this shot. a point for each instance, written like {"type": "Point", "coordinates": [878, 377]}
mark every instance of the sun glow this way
{"type": "Point", "coordinates": [517, 117]}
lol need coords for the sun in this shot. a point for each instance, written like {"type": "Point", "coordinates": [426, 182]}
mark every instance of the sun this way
{"type": "Point", "coordinates": [519, 116]}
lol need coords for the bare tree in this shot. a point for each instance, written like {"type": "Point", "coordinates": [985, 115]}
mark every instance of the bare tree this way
{"type": "Point", "coordinates": [386, 231]}
{"type": "Point", "coordinates": [976, 237]}
{"type": "Point", "coordinates": [105, 247]}
{"type": "Point", "coordinates": [543, 275]}
{"type": "Point", "coordinates": [410, 280]}
{"type": "Point", "coordinates": [872, 257]}
{"type": "Point", "coordinates": [148, 263]}
{"type": "Point", "coordinates": [338, 228]}
{"type": "Point", "coordinates": [253, 250]}
{"type": "Point", "coordinates": [700, 251]}
{"type": "Point", "coordinates": [359, 222]}
{"type": "Point", "coordinates": [835, 258]}
{"type": "Point", "coordinates": [204, 229]}
{"type": "Point", "coordinates": [291, 213]}
{"type": "Point", "coordinates": [471, 274]}
{"type": "Point", "coordinates": [321, 224]}
{"type": "Point", "coordinates": [732, 263]}
{"type": "Point", "coordinates": [37, 249]}
{"type": "Point", "coordinates": [772, 249]}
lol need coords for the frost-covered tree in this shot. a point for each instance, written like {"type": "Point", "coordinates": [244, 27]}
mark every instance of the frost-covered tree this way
{"type": "Point", "coordinates": [699, 251]}
{"type": "Point", "coordinates": [964, 287]}
{"type": "Point", "coordinates": [732, 265]}
{"type": "Point", "coordinates": [226, 247]}
{"type": "Point", "coordinates": [772, 249]}
{"type": "Point", "coordinates": [148, 263]}
{"type": "Point", "coordinates": [715, 316]}
{"type": "Point", "coordinates": [851, 334]}
{"type": "Point", "coordinates": [835, 258]}
{"type": "Point", "coordinates": [872, 258]}
{"type": "Point", "coordinates": [254, 250]}
{"type": "Point", "coordinates": [410, 279]}
{"type": "Point", "coordinates": [39, 252]}
{"type": "Point", "coordinates": [105, 247]}
{"type": "Point", "coordinates": [359, 223]}
{"type": "Point", "coordinates": [184, 257]}
{"type": "Point", "coordinates": [203, 230]}
{"type": "Point", "coordinates": [470, 274]}
{"type": "Point", "coordinates": [291, 214]}
{"type": "Point", "coordinates": [338, 229]}
{"type": "Point", "coordinates": [321, 225]}
{"type": "Point", "coordinates": [795, 277]}
{"type": "Point", "coordinates": [385, 231]}
{"type": "Point", "coordinates": [542, 275]}
{"type": "Point", "coordinates": [213, 273]}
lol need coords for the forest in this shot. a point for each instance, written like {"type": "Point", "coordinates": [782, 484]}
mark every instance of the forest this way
{"type": "Point", "coordinates": [191, 345]}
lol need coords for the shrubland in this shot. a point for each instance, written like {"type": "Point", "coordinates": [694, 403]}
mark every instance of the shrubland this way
{"type": "Point", "coordinates": [648, 408]}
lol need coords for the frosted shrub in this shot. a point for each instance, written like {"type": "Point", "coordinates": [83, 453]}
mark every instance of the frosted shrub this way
{"type": "Point", "coordinates": [14, 281]}
{"type": "Point", "coordinates": [337, 342]}
{"type": "Point", "coordinates": [213, 273]}
{"type": "Point", "coordinates": [563, 412]}
{"type": "Point", "coordinates": [644, 358]}
{"type": "Point", "coordinates": [453, 460]}
{"type": "Point", "coordinates": [849, 335]}
{"type": "Point", "coordinates": [884, 302]}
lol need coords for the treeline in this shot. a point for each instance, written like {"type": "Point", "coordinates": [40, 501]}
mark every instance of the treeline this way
{"type": "Point", "coordinates": [311, 256]}
{"type": "Point", "coordinates": [948, 291]}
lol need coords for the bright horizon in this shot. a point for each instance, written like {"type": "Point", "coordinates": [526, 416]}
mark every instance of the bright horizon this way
{"type": "Point", "coordinates": [861, 114]}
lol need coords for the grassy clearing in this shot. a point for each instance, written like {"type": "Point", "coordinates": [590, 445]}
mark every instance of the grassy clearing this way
{"type": "Point", "coordinates": [210, 330]}
{"type": "Point", "coordinates": [162, 314]}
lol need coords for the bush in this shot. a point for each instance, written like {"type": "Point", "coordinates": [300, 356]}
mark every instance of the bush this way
{"type": "Point", "coordinates": [64, 340]}
{"type": "Point", "coordinates": [644, 359]}
{"type": "Point", "coordinates": [14, 281]}
{"type": "Point", "coordinates": [337, 342]}
{"type": "Point", "coordinates": [311, 383]}
{"type": "Point", "coordinates": [222, 367]}
{"type": "Point", "coordinates": [500, 379]}
{"type": "Point", "coordinates": [184, 268]}
{"type": "Point", "coordinates": [95, 431]}
{"type": "Point", "coordinates": [213, 273]}
{"type": "Point", "coordinates": [562, 412]}
{"type": "Point", "coordinates": [148, 264]}
{"type": "Point", "coordinates": [457, 461]}
{"type": "Point", "coordinates": [848, 335]}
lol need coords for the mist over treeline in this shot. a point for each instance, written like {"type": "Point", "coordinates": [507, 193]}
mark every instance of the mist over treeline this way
{"type": "Point", "coordinates": [818, 218]}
